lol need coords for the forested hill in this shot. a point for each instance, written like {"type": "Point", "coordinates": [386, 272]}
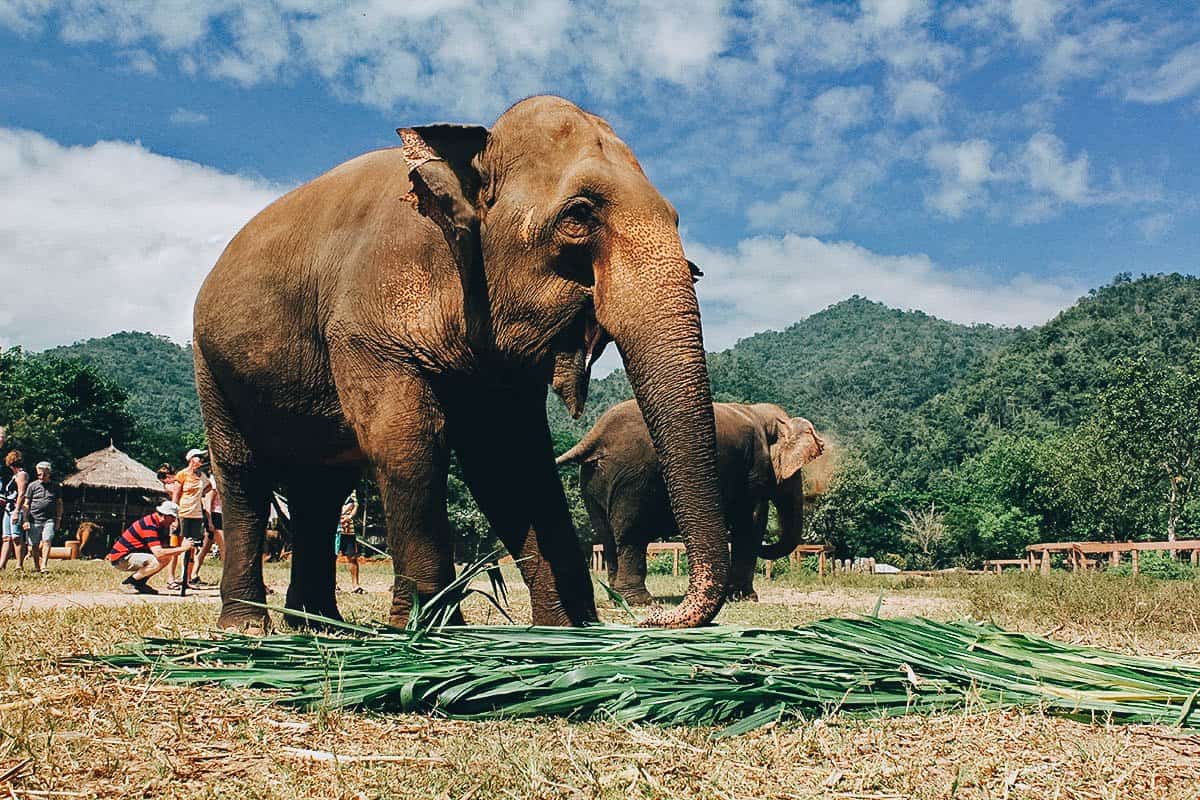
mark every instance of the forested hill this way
{"type": "Point", "coordinates": [849, 368]}
{"type": "Point", "coordinates": [1047, 378]}
{"type": "Point", "coordinates": [155, 372]}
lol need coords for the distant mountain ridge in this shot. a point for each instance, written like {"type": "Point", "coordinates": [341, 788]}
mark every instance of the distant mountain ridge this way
{"type": "Point", "coordinates": [844, 368]}
{"type": "Point", "coordinates": [154, 371]}
{"type": "Point", "coordinates": [902, 386]}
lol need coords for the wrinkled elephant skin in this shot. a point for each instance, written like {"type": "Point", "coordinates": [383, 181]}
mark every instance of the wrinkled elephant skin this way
{"type": "Point", "coordinates": [760, 454]}
{"type": "Point", "coordinates": [417, 301]}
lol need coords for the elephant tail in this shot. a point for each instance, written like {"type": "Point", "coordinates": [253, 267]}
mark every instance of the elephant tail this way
{"type": "Point", "coordinates": [581, 451]}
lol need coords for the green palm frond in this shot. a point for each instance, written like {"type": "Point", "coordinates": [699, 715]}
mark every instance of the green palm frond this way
{"type": "Point", "coordinates": [724, 676]}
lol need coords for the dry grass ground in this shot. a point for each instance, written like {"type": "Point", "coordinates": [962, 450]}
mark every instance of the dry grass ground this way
{"type": "Point", "coordinates": [68, 733]}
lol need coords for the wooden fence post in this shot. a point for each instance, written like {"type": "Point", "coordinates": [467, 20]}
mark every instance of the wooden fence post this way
{"type": "Point", "coordinates": [1045, 562]}
{"type": "Point", "coordinates": [675, 562]}
{"type": "Point", "coordinates": [821, 562]}
{"type": "Point", "coordinates": [1135, 562]}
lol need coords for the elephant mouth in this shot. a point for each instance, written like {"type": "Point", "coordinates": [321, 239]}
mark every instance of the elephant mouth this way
{"type": "Point", "coordinates": [583, 342]}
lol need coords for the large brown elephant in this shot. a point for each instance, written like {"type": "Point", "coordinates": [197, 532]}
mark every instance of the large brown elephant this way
{"type": "Point", "coordinates": [418, 300]}
{"type": "Point", "coordinates": [760, 455]}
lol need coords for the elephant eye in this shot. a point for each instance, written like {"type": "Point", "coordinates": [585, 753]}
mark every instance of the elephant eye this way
{"type": "Point", "coordinates": [578, 219]}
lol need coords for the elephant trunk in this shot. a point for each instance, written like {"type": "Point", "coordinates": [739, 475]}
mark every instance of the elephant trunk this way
{"type": "Point", "coordinates": [646, 301]}
{"type": "Point", "coordinates": [789, 504]}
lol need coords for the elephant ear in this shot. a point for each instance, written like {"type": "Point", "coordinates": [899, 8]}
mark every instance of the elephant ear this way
{"type": "Point", "coordinates": [796, 444]}
{"type": "Point", "coordinates": [445, 188]}
{"type": "Point", "coordinates": [441, 164]}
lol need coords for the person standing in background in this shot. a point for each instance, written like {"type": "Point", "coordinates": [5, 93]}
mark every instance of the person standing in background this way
{"type": "Point", "coordinates": [43, 501]}
{"type": "Point", "coordinates": [15, 486]}
{"type": "Point", "coordinates": [190, 488]}
{"type": "Point", "coordinates": [214, 532]}
{"type": "Point", "coordinates": [348, 543]}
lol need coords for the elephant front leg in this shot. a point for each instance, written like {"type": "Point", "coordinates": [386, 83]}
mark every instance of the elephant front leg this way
{"type": "Point", "coordinates": [419, 537]}
{"type": "Point", "coordinates": [507, 457]}
{"type": "Point", "coordinates": [315, 497]}
{"type": "Point", "coordinates": [743, 557]}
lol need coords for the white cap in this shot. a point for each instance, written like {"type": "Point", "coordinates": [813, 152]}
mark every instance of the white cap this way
{"type": "Point", "coordinates": [168, 509]}
{"type": "Point", "coordinates": [195, 452]}
{"type": "Point", "coordinates": [44, 465]}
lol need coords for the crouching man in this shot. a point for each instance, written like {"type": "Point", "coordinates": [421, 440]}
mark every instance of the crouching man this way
{"type": "Point", "coordinates": [139, 549]}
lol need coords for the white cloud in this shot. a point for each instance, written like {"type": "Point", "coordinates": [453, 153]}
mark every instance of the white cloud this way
{"type": "Point", "coordinates": [796, 210]}
{"type": "Point", "coordinates": [842, 107]}
{"type": "Point", "coordinates": [1155, 226]}
{"type": "Point", "coordinates": [186, 116]}
{"type": "Point", "coordinates": [139, 61]}
{"type": "Point", "coordinates": [918, 100]}
{"type": "Point", "coordinates": [1034, 18]}
{"type": "Point", "coordinates": [1177, 78]}
{"type": "Point", "coordinates": [890, 14]}
{"type": "Point", "coordinates": [963, 170]}
{"type": "Point", "coordinates": [1050, 172]}
{"type": "Point", "coordinates": [108, 237]}
{"type": "Point", "coordinates": [470, 58]}
{"type": "Point", "coordinates": [771, 282]}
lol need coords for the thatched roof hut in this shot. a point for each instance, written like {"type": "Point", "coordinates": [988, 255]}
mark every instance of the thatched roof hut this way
{"type": "Point", "coordinates": [110, 489]}
{"type": "Point", "coordinates": [111, 469]}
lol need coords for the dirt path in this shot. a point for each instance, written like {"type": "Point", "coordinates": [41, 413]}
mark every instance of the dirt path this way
{"type": "Point", "coordinates": [16, 603]}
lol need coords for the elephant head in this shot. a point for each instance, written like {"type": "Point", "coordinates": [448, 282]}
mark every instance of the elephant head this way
{"type": "Point", "coordinates": [794, 444]}
{"type": "Point", "coordinates": [563, 244]}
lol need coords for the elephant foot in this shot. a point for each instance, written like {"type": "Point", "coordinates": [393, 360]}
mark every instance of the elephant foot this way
{"type": "Point", "coordinates": [239, 618]}
{"type": "Point", "coordinates": [324, 607]}
{"type": "Point", "coordinates": [742, 594]}
{"type": "Point", "coordinates": [637, 597]}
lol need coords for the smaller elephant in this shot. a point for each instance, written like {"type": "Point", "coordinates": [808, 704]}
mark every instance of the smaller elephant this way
{"type": "Point", "coordinates": [760, 453]}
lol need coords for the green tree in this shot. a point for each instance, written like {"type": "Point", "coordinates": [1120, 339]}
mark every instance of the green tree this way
{"type": "Point", "coordinates": [60, 409]}
{"type": "Point", "coordinates": [1147, 426]}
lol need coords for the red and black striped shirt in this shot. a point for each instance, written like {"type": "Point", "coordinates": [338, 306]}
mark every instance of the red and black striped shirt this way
{"type": "Point", "coordinates": [148, 532]}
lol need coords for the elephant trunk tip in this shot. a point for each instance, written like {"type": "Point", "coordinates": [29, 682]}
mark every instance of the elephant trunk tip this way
{"type": "Point", "coordinates": [704, 600]}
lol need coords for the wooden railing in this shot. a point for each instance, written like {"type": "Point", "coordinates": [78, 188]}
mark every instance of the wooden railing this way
{"type": "Point", "coordinates": [675, 548]}
{"type": "Point", "coordinates": [1038, 555]}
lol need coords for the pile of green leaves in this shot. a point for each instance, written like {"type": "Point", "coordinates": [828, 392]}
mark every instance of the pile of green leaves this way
{"type": "Point", "coordinates": [739, 677]}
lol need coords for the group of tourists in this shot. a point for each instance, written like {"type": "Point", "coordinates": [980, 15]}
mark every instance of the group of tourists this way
{"type": "Point", "coordinates": [190, 521]}
{"type": "Point", "coordinates": [33, 511]}
{"type": "Point", "coordinates": [177, 536]}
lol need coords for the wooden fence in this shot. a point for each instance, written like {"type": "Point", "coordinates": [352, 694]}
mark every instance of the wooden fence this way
{"type": "Point", "coordinates": [675, 548]}
{"type": "Point", "coordinates": [1037, 556]}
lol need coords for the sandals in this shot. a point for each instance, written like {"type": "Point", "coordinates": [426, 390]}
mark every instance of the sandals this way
{"type": "Point", "coordinates": [358, 590]}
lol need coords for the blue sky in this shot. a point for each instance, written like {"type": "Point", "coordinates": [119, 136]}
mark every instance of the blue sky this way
{"type": "Point", "coordinates": [983, 161]}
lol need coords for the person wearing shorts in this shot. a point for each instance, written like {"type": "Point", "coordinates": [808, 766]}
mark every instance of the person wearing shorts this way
{"type": "Point", "coordinates": [190, 488]}
{"type": "Point", "coordinates": [43, 503]}
{"type": "Point", "coordinates": [13, 511]}
{"type": "Point", "coordinates": [139, 551]}
{"type": "Point", "coordinates": [348, 542]}
{"type": "Point", "coordinates": [214, 531]}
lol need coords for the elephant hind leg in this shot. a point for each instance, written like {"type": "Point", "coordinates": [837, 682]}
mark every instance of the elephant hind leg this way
{"type": "Point", "coordinates": [245, 496]}
{"type": "Point", "coordinates": [315, 497]}
{"type": "Point", "coordinates": [245, 485]}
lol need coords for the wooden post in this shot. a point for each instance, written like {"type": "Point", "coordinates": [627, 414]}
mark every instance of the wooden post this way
{"type": "Point", "coordinates": [1195, 557]}
{"type": "Point", "coordinates": [1135, 562]}
{"type": "Point", "coordinates": [821, 562]}
{"type": "Point", "coordinates": [1045, 562]}
{"type": "Point", "coordinates": [675, 562]}
{"type": "Point", "coordinates": [1114, 558]}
